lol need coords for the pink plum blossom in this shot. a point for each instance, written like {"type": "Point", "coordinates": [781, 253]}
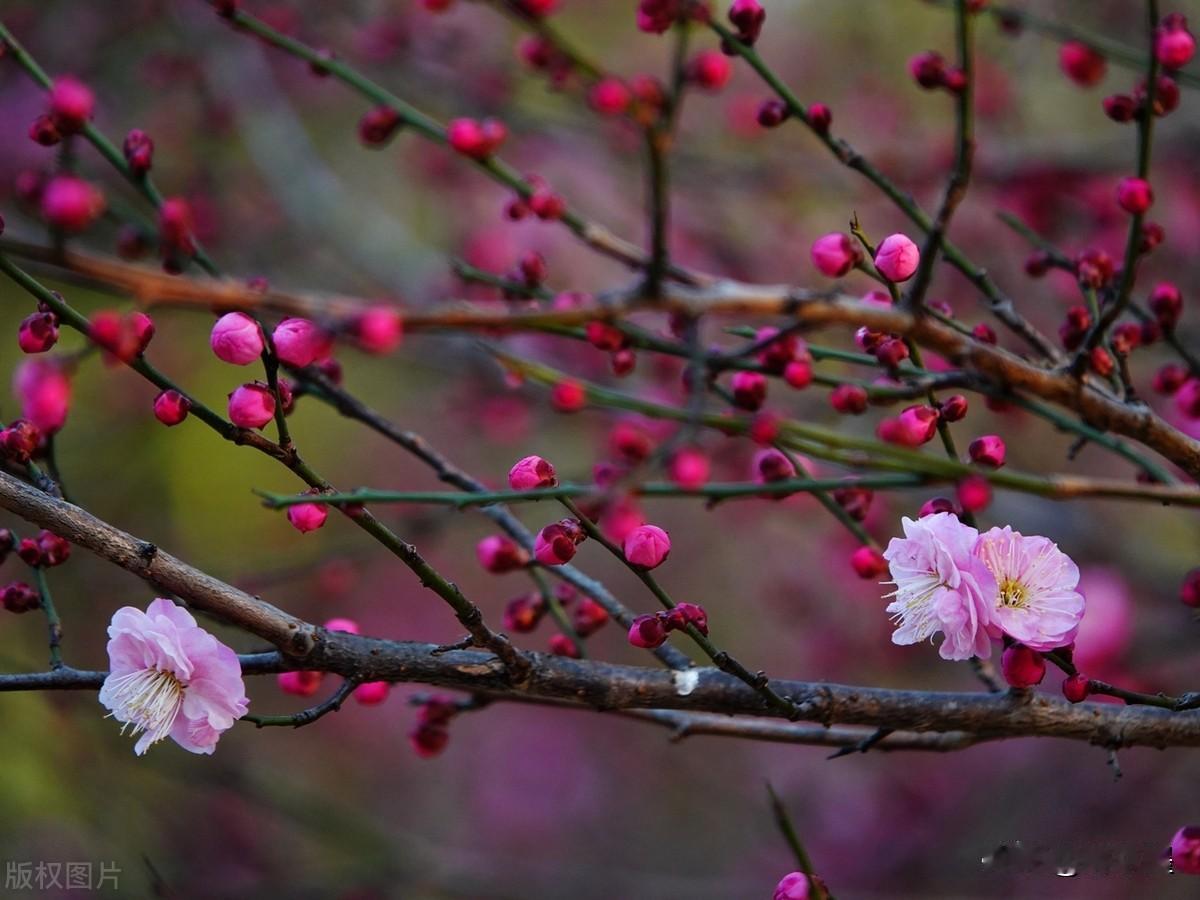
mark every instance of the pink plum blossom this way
{"type": "Point", "coordinates": [940, 586]}
{"type": "Point", "coordinates": [647, 546]}
{"type": "Point", "coordinates": [1035, 600]}
{"type": "Point", "coordinates": [897, 258]}
{"type": "Point", "coordinates": [168, 677]}
{"type": "Point", "coordinates": [298, 342]}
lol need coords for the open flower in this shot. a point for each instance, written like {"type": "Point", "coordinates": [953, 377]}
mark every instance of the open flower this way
{"type": "Point", "coordinates": [940, 586]}
{"type": "Point", "coordinates": [1035, 601]}
{"type": "Point", "coordinates": [168, 677]}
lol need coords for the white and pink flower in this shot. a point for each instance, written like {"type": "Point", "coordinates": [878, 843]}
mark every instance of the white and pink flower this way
{"type": "Point", "coordinates": [1035, 602]}
{"type": "Point", "coordinates": [940, 586]}
{"type": "Point", "coordinates": [168, 677]}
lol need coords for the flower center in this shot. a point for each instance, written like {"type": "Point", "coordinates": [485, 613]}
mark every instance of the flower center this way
{"type": "Point", "coordinates": [147, 700]}
{"type": "Point", "coordinates": [1013, 594]}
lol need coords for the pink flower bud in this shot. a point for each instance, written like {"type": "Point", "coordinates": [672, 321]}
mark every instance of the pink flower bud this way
{"type": "Point", "coordinates": [1184, 851]}
{"type": "Point", "coordinates": [928, 69]}
{"type": "Point", "coordinates": [771, 113]}
{"type": "Point", "coordinates": [71, 204]}
{"type": "Point", "coordinates": [428, 741]}
{"type": "Point", "coordinates": [1120, 107]}
{"type": "Point", "coordinates": [379, 329]}
{"type": "Point", "coordinates": [44, 131]}
{"type": "Point", "coordinates": [499, 554]}
{"type": "Point", "coordinates": [531, 473]}
{"type": "Point", "coordinates": [588, 617]}
{"type": "Point", "coordinates": [935, 505]}
{"type": "Point", "coordinates": [237, 339]}
{"type": "Point", "coordinates": [251, 406]}
{"type": "Point", "coordinates": [820, 117]}
{"type": "Point", "coordinates": [298, 342]}
{"type": "Point", "coordinates": [681, 615]}
{"type": "Point", "coordinates": [609, 97]}
{"type": "Point", "coordinates": [342, 624]}
{"type": "Point", "coordinates": [1022, 667]}
{"type": "Point", "coordinates": [849, 399]}
{"type": "Point", "coordinates": [478, 140]}
{"type": "Point", "coordinates": [868, 562]}
{"type": "Point", "coordinates": [771, 465]}
{"type": "Point", "coordinates": [984, 332]}
{"type": "Point", "coordinates": [988, 450]}
{"type": "Point", "coordinates": [897, 257]}
{"type": "Point", "coordinates": [764, 428]}
{"type": "Point", "coordinates": [1169, 378]}
{"type": "Point", "coordinates": [647, 547]}
{"type": "Point", "coordinates": [1187, 398]}
{"type": "Point", "coordinates": [1134, 195]}
{"type": "Point", "coordinates": [1076, 688]}
{"type": "Point", "coordinates": [555, 544]}
{"type": "Point", "coordinates": [561, 645]}
{"type": "Point", "coordinates": [522, 614]}
{"type": "Point", "coordinates": [689, 468]}
{"type": "Point", "coordinates": [377, 126]}
{"type": "Point", "coordinates": [171, 407]}
{"type": "Point", "coordinates": [793, 886]}
{"type": "Point", "coordinates": [568, 396]}
{"type": "Point", "coordinates": [1173, 43]}
{"type": "Point", "coordinates": [798, 373]}
{"type": "Point", "coordinates": [372, 693]}
{"type": "Point", "coordinates": [1189, 590]}
{"type": "Point", "coordinates": [834, 254]}
{"type": "Point", "coordinates": [300, 684]}
{"type": "Point", "coordinates": [175, 225]}
{"type": "Point", "coordinates": [855, 501]}
{"type": "Point", "coordinates": [139, 151]}
{"type": "Point", "coordinates": [710, 70]}
{"type": "Point", "coordinates": [19, 597]}
{"type": "Point", "coordinates": [44, 390]}
{"type": "Point", "coordinates": [71, 103]}
{"type": "Point", "coordinates": [647, 632]}
{"type": "Point", "coordinates": [1081, 63]}
{"type": "Point", "coordinates": [913, 427]}
{"type": "Point", "coordinates": [20, 441]}
{"type": "Point", "coordinates": [306, 517]}
{"type": "Point", "coordinates": [1166, 302]}
{"type": "Point", "coordinates": [38, 332]}
{"type": "Point", "coordinates": [749, 389]}
{"type": "Point", "coordinates": [974, 493]}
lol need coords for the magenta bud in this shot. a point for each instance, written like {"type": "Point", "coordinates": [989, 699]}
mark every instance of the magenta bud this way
{"type": "Point", "coordinates": [988, 450]}
{"type": "Point", "coordinates": [298, 342]}
{"type": "Point", "coordinates": [306, 517]}
{"type": "Point", "coordinates": [1022, 667]}
{"type": "Point", "coordinates": [251, 406]}
{"type": "Point", "coordinates": [647, 632]}
{"type": "Point", "coordinates": [897, 258]}
{"type": "Point", "coordinates": [237, 339]}
{"type": "Point", "coordinates": [171, 407]}
{"type": "Point", "coordinates": [1076, 688]}
{"type": "Point", "coordinates": [531, 473]}
{"type": "Point", "coordinates": [834, 254]}
{"type": "Point", "coordinates": [299, 684]}
{"type": "Point", "coordinates": [647, 547]}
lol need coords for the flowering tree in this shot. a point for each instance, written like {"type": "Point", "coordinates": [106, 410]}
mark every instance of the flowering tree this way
{"type": "Point", "coordinates": [706, 385]}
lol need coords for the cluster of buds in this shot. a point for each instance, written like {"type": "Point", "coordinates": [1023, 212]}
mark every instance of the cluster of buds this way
{"type": "Point", "coordinates": [650, 631]}
{"type": "Point", "coordinates": [138, 149]}
{"type": "Point", "coordinates": [44, 551]}
{"type": "Point", "coordinates": [541, 201]}
{"type": "Point", "coordinates": [432, 732]}
{"type": "Point", "coordinates": [614, 341]}
{"type": "Point", "coordinates": [20, 441]}
{"type": "Point", "coordinates": [556, 543]}
{"type": "Point", "coordinates": [930, 71]}
{"type": "Point", "coordinates": [785, 355]}
{"type": "Point", "coordinates": [523, 614]}
{"type": "Point", "coordinates": [543, 55]}
{"type": "Point", "coordinates": [71, 106]}
{"type": "Point", "coordinates": [657, 16]}
{"type": "Point", "coordinates": [19, 597]}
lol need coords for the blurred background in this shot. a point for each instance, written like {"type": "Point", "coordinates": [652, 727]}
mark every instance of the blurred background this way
{"type": "Point", "coordinates": [529, 803]}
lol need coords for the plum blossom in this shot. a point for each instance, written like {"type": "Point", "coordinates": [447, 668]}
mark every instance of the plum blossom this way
{"type": "Point", "coordinates": [168, 677]}
{"type": "Point", "coordinates": [1035, 601]}
{"type": "Point", "coordinates": [940, 586]}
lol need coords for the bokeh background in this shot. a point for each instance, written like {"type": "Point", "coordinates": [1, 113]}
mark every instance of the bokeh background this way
{"type": "Point", "coordinates": [528, 803]}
